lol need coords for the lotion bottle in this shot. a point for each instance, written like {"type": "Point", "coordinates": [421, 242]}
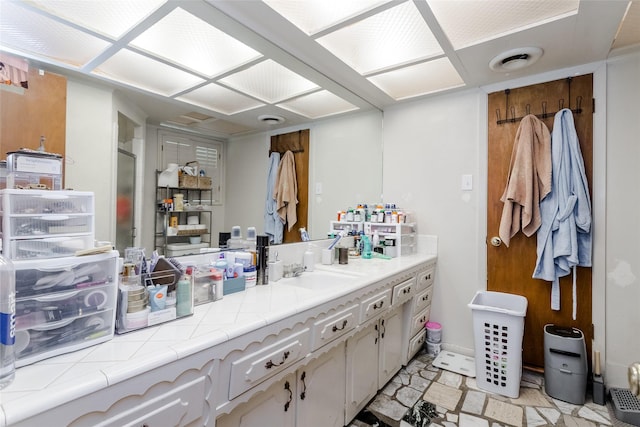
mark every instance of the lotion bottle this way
{"type": "Point", "coordinates": [309, 259]}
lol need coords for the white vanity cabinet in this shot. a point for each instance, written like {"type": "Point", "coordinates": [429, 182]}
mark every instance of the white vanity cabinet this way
{"type": "Point", "coordinates": [420, 309]}
{"type": "Point", "coordinates": [309, 397]}
{"type": "Point", "coordinates": [374, 356]}
{"type": "Point", "coordinates": [178, 394]}
{"type": "Point", "coordinates": [273, 407]}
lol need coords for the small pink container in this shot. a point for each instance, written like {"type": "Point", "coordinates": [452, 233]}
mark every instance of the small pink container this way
{"type": "Point", "coordinates": [434, 332]}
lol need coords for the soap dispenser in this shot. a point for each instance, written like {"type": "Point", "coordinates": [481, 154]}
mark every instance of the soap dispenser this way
{"type": "Point", "coordinates": [309, 259]}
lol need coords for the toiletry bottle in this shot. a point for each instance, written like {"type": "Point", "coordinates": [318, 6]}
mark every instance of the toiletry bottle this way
{"type": "Point", "coordinates": [309, 259]}
{"type": "Point", "coordinates": [184, 299]}
{"type": "Point", "coordinates": [7, 321]}
{"type": "Point", "coordinates": [366, 247]}
{"type": "Point", "coordinates": [218, 284]}
{"type": "Point", "coordinates": [262, 260]}
{"type": "Point", "coordinates": [376, 239]}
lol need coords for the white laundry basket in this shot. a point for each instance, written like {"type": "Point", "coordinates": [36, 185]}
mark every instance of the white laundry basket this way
{"type": "Point", "coordinates": [498, 326]}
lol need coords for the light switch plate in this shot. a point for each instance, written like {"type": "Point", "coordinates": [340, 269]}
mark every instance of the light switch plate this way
{"type": "Point", "coordinates": [467, 182]}
{"type": "Point", "coordinates": [318, 188]}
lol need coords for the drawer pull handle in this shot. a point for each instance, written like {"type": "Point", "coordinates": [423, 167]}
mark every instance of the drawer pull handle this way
{"type": "Point", "coordinates": [270, 364]}
{"type": "Point", "coordinates": [335, 328]}
{"type": "Point", "coordinates": [425, 298]}
{"type": "Point", "coordinates": [303, 394]}
{"type": "Point", "coordinates": [377, 306]}
{"type": "Point", "coordinates": [406, 290]}
{"type": "Point", "coordinates": [288, 388]}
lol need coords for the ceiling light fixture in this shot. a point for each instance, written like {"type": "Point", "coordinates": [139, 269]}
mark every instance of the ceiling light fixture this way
{"type": "Point", "coordinates": [270, 119]}
{"type": "Point", "coordinates": [515, 59]}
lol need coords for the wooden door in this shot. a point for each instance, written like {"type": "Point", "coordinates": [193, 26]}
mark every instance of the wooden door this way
{"type": "Point", "coordinates": [298, 144]}
{"type": "Point", "coordinates": [510, 269]}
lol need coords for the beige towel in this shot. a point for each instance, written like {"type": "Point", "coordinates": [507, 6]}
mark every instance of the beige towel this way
{"type": "Point", "coordinates": [529, 179]}
{"type": "Point", "coordinates": [285, 190]}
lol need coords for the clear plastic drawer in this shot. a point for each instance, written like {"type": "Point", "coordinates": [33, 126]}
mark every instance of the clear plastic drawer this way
{"type": "Point", "coordinates": [44, 225]}
{"type": "Point", "coordinates": [34, 202]}
{"type": "Point", "coordinates": [51, 247]}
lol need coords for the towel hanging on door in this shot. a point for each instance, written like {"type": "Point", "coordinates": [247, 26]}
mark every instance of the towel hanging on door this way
{"type": "Point", "coordinates": [564, 238]}
{"type": "Point", "coordinates": [529, 179]}
{"type": "Point", "coordinates": [286, 190]}
{"type": "Point", "coordinates": [273, 226]}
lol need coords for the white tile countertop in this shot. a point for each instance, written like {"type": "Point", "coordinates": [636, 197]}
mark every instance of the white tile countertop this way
{"type": "Point", "coordinates": [57, 380]}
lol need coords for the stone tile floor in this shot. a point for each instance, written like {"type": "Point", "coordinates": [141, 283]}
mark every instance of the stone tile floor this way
{"type": "Point", "coordinates": [423, 395]}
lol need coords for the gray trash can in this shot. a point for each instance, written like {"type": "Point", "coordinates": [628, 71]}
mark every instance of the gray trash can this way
{"type": "Point", "coordinates": [565, 364]}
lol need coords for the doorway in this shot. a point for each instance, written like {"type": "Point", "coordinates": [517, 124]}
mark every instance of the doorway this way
{"type": "Point", "coordinates": [125, 201]}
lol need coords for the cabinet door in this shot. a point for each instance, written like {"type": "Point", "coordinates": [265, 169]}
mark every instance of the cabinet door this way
{"type": "Point", "coordinates": [391, 348]}
{"type": "Point", "coordinates": [274, 407]}
{"type": "Point", "coordinates": [321, 391]}
{"type": "Point", "coordinates": [362, 368]}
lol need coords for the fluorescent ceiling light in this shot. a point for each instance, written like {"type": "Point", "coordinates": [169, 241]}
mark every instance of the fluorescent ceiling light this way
{"type": "Point", "coordinates": [220, 99]}
{"type": "Point", "coordinates": [470, 22]}
{"type": "Point", "coordinates": [313, 16]}
{"type": "Point", "coordinates": [184, 39]}
{"type": "Point", "coordinates": [427, 77]}
{"type": "Point", "coordinates": [145, 73]}
{"type": "Point", "coordinates": [396, 36]}
{"type": "Point", "coordinates": [46, 37]}
{"type": "Point", "coordinates": [100, 16]}
{"type": "Point", "coordinates": [318, 104]}
{"type": "Point", "coordinates": [269, 82]}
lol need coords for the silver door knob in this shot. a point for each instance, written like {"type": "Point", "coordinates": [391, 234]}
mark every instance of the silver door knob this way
{"type": "Point", "coordinates": [496, 241]}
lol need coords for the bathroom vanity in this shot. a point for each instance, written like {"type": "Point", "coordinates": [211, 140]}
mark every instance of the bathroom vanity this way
{"type": "Point", "coordinates": [304, 351]}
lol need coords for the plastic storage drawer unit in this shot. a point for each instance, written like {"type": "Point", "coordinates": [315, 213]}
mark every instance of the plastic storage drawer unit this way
{"type": "Point", "coordinates": [565, 364]}
{"type": "Point", "coordinates": [38, 224]}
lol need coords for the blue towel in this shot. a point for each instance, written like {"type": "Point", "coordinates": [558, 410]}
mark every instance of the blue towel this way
{"type": "Point", "coordinates": [273, 226]}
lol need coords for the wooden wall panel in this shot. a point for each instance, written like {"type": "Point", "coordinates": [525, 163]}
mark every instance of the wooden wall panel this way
{"type": "Point", "coordinates": [41, 110]}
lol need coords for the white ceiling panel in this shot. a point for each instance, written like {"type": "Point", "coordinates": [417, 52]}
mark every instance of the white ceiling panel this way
{"type": "Point", "coordinates": [139, 71]}
{"type": "Point", "coordinates": [220, 99]}
{"type": "Point", "coordinates": [34, 34]}
{"type": "Point", "coordinates": [318, 104]}
{"type": "Point", "coordinates": [187, 40]}
{"type": "Point", "coordinates": [425, 78]}
{"type": "Point", "coordinates": [470, 22]}
{"type": "Point", "coordinates": [269, 82]}
{"type": "Point", "coordinates": [313, 16]}
{"type": "Point", "coordinates": [396, 36]}
{"type": "Point", "coordinates": [100, 15]}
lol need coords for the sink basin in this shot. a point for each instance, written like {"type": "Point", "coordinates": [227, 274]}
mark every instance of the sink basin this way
{"type": "Point", "coordinates": [357, 267]}
{"type": "Point", "coordinates": [321, 280]}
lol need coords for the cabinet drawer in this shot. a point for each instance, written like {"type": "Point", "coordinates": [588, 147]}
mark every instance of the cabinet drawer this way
{"type": "Point", "coordinates": [331, 327]}
{"type": "Point", "coordinates": [48, 225]}
{"type": "Point", "coordinates": [419, 320]}
{"type": "Point", "coordinates": [260, 365]}
{"type": "Point", "coordinates": [35, 202]}
{"type": "Point", "coordinates": [416, 343]}
{"type": "Point", "coordinates": [375, 305]}
{"type": "Point", "coordinates": [50, 247]}
{"type": "Point", "coordinates": [425, 278]}
{"type": "Point", "coordinates": [422, 300]}
{"type": "Point", "coordinates": [404, 291]}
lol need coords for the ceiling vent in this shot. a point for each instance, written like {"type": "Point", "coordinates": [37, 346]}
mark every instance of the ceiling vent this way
{"type": "Point", "coordinates": [515, 59]}
{"type": "Point", "coordinates": [270, 119]}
